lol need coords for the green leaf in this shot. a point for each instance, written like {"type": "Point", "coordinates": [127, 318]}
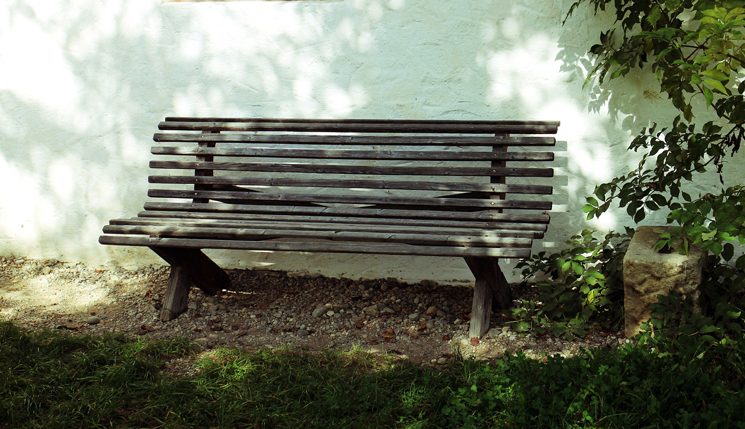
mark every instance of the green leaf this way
{"type": "Point", "coordinates": [654, 15]}
{"type": "Point", "coordinates": [708, 95]}
{"type": "Point", "coordinates": [715, 74]}
{"type": "Point", "coordinates": [522, 327]}
{"type": "Point", "coordinates": [717, 85]}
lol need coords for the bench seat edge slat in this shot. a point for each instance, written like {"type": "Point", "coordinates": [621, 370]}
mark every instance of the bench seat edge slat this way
{"type": "Point", "coordinates": [268, 223]}
{"type": "Point", "coordinates": [524, 228]}
{"type": "Point", "coordinates": [320, 247]}
{"type": "Point", "coordinates": [349, 211]}
{"type": "Point", "coordinates": [247, 233]}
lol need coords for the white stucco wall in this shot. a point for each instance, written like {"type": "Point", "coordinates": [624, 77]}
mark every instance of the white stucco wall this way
{"type": "Point", "coordinates": [83, 84]}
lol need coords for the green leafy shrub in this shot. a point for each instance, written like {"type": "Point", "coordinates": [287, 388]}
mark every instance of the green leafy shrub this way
{"type": "Point", "coordinates": [584, 285]}
{"type": "Point", "coordinates": [695, 48]}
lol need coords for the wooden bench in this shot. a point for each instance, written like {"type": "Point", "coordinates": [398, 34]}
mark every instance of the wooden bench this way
{"type": "Point", "coordinates": [392, 187]}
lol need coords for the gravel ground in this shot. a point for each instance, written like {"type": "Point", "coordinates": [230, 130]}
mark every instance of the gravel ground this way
{"type": "Point", "coordinates": [425, 322]}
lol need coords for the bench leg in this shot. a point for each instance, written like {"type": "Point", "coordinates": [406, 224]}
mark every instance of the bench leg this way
{"type": "Point", "coordinates": [177, 294]}
{"type": "Point", "coordinates": [481, 309]}
{"type": "Point", "coordinates": [188, 266]}
{"type": "Point", "coordinates": [491, 292]}
{"type": "Point", "coordinates": [202, 270]}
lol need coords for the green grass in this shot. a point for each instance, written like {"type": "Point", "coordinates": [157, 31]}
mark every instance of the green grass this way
{"type": "Point", "coordinates": [51, 380]}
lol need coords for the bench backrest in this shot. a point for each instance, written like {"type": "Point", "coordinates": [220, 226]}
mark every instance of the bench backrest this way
{"type": "Point", "coordinates": [464, 173]}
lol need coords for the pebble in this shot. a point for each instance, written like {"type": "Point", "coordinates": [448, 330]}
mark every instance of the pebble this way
{"type": "Point", "coordinates": [431, 311]}
{"type": "Point", "coordinates": [330, 313]}
{"type": "Point", "coordinates": [93, 320]}
{"type": "Point", "coordinates": [413, 316]}
{"type": "Point", "coordinates": [303, 333]}
{"type": "Point", "coordinates": [319, 311]}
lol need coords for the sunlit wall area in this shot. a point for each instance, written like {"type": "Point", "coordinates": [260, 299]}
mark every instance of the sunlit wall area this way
{"type": "Point", "coordinates": [84, 83]}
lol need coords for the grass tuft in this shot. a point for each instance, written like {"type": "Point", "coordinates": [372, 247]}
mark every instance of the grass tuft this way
{"type": "Point", "coordinates": [50, 379]}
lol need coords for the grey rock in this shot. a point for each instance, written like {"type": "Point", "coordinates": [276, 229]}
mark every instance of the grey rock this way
{"type": "Point", "coordinates": [371, 310]}
{"type": "Point", "coordinates": [413, 316]}
{"type": "Point", "coordinates": [319, 311]}
{"type": "Point", "coordinates": [303, 333]}
{"type": "Point", "coordinates": [431, 311]}
{"type": "Point", "coordinates": [93, 320]}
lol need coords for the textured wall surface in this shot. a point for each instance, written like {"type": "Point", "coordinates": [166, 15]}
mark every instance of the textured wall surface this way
{"type": "Point", "coordinates": [83, 84]}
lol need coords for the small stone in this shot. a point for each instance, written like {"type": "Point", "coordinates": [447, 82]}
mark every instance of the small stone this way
{"type": "Point", "coordinates": [387, 310]}
{"type": "Point", "coordinates": [319, 311]}
{"type": "Point", "coordinates": [192, 305]}
{"type": "Point", "coordinates": [371, 310]}
{"type": "Point", "coordinates": [330, 313]}
{"type": "Point", "coordinates": [413, 316]}
{"type": "Point", "coordinates": [303, 333]}
{"type": "Point", "coordinates": [441, 313]}
{"type": "Point", "coordinates": [46, 271]}
{"type": "Point", "coordinates": [457, 322]}
{"type": "Point", "coordinates": [417, 300]}
{"type": "Point", "coordinates": [431, 311]}
{"type": "Point", "coordinates": [93, 320]}
{"type": "Point", "coordinates": [384, 287]}
{"type": "Point", "coordinates": [442, 361]}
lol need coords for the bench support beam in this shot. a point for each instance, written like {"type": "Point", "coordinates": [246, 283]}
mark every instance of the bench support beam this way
{"type": "Point", "coordinates": [177, 294]}
{"type": "Point", "coordinates": [491, 292]}
{"type": "Point", "coordinates": [187, 266]}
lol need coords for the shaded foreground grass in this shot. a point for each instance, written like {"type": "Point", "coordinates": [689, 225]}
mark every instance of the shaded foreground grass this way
{"type": "Point", "coordinates": [49, 380]}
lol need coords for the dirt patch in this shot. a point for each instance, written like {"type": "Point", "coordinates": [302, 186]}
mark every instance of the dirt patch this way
{"type": "Point", "coordinates": [424, 321]}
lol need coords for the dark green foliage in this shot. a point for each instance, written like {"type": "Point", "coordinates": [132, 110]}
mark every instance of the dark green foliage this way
{"type": "Point", "coordinates": [53, 380]}
{"type": "Point", "coordinates": [695, 49]}
{"type": "Point", "coordinates": [584, 286]}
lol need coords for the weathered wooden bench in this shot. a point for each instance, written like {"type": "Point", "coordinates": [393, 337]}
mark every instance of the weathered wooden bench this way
{"type": "Point", "coordinates": [393, 187]}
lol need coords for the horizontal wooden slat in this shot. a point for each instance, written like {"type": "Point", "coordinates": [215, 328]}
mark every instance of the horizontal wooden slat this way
{"type": "Point", "coordinates": [353, 199]}
{"type": "Point", "coordinates": [321, 247]}
{"type": "Point", "coordinates": [360, 125]}
{"type": "Point", "coordinates": [465, 226]}
{"type": "Point", "coordinates": [355, 140]}
{"type": "Point", "coordinates": [355, 154]}
{"type": "Point", "coordinates": [353, 169]}
{"type": "Point", "coordinates": [235, 233]}
{"type": "Point", "coordinates": [361, 184]}
{"type": "Point", "coordinates": [520, 218]}
{"type": "Point", "coordinates": [286, 223]}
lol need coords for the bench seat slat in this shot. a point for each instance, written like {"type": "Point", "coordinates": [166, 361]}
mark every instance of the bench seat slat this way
{"type": "Point", "coordinates": [330, 246]}
{"type": "Point", "coordinates": [528, 229]}
{"type": "Point", "coordinates": [356, 126]}
{"type": "Point", "coordinates": [282, 224]}
{"type": "Point", "coordinates": [353, 169]}
{"type": "Point", "coordinates": [355, 140]}
{"type": "Point", "coordinates": [363, 184]}
{"type": "Point", "coordinates": [352, 211]}
{"type": "Point", "coordinates": [355, 154]}
{"type": "Point", "coordinates": [352, 199]}
{"type": "Point", "coordinates": [244, 233]}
